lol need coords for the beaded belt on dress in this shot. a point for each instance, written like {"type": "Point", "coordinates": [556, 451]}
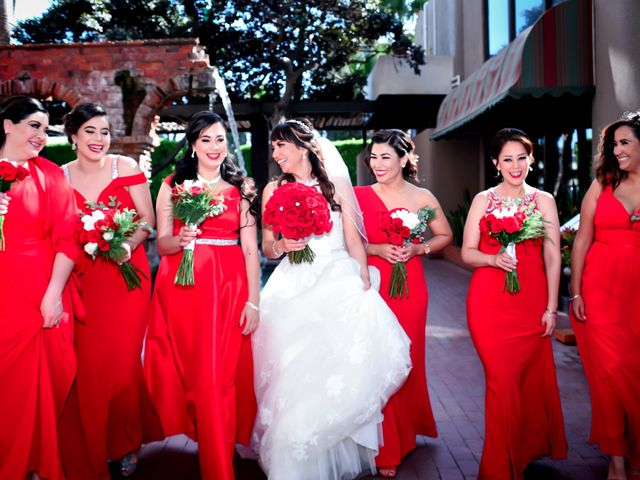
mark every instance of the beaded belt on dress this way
{"type": "Point", "coordinates": [220, 242]}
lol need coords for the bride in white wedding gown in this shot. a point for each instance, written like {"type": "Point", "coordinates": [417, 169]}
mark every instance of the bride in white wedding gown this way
{"type": "Point", "coordinates": [328, 352]}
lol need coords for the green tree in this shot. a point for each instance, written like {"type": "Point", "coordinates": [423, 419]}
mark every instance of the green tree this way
{"type": "Point", "coordinates": [265, 49]}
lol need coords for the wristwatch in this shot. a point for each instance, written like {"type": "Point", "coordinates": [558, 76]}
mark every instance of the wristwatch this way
{"type": "Point", "coordinates": [427, 249]}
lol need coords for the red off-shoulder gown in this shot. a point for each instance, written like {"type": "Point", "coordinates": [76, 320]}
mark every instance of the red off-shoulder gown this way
{"type": "Point", "coordinates": [109, 412]}
{"type": "Point", "coordinates": [37, 365]}
{"type": "Point", "coordinates": [408, 412]}
{"type": "Point", "coordinates": [609, 340]}
{"type": "Point", "coordinates": [523, 416]}
{"type": "Point", "coordinates": [197, 363]}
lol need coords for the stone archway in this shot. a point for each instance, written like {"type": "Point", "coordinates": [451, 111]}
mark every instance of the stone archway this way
{"type": "Point", "coordinates": [133, 80]}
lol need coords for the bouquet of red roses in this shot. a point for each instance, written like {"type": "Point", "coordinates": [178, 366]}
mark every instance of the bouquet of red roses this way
{"type": "Point", "coordinates": [513, 225]}
{"type": "Point", "coordinates": [102, 232]}
{"type": "Point", "coordinates": [403, 226]}
{"type": "Point", "coordinates": [298, 211]}
{"type": "Point", "coordinates": [193, 202]}
{"type": "Point", "coordinates": [10, 172]}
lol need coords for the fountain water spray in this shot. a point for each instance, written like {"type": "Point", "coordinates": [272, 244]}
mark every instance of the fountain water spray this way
{"type": "Point", "coordinates": [221, 90]}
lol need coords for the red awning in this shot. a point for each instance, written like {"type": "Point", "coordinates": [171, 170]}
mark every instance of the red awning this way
{"type": "Point", "coordinates": [552, 57]}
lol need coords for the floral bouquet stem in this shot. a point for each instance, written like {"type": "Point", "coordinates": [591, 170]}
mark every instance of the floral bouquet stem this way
{"type": "Point", "coordinates": [1, 233]}
{"type": "Point", "coordinates": [398, 285]}
{"type": "Point", "coordinates": [304, 255]}
{"type": "Point", "coordinates": [511, 282]}
{"type": "Point", "coordinates": [131, 275]}
{"type": "Point", "coordinates": [184, 275]}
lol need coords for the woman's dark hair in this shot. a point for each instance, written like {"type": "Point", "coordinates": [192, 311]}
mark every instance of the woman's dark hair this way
{"type": "Point", "coordinates": [18, 108]}
{"type": "Point", "coordinates": [608, 170]}
{"type": "Point", "coordinates": [506, 135]}
{"type": "Point", "coordinates": [187, 165]}
{"type": "Point", "coordinates": [79, 116]}
{"type": "Point", "coordinates": [403, 146]}
{"type": "Point", "coordinates": [299, 131]}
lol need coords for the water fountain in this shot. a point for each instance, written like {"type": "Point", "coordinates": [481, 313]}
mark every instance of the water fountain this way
{"type": "Point", "coordinates": [221, 91]}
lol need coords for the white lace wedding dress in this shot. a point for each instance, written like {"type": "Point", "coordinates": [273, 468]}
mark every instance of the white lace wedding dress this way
{"type": "Point", "coordinates": [327, 356]}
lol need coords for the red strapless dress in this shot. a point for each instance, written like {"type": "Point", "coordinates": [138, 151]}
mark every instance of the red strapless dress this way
{"type": "Point", "coordinates": [198, 364]}
{"type": "Point", "coordinates": [609, 340]}
{"type": "Point", "coordinates": [37, 365]}
{"type": "Point", "coordinates": [109, 412]}
{"type": "Point", "coordinates": [523, 416]}
{"type": "Point", "coordinates": [408, 412]}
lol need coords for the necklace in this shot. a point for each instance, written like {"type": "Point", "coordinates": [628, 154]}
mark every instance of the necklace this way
{"type": "Point", "coordinates": [512, 201]}
{"type": "Point", "coordinates": [212, 183]}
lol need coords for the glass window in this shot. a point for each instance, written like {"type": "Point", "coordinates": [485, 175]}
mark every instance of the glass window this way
{"type": "Point", "coordinates": [527, 12]}
{"type": "Point", "coordinates": [498, 25]}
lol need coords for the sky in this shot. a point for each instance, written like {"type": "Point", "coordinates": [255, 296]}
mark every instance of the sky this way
{"type": "Point", "coordinates": [30, 8]}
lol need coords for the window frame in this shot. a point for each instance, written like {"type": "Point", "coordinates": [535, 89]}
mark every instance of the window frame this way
{"type": "Point", "coordinates": [511, 18]}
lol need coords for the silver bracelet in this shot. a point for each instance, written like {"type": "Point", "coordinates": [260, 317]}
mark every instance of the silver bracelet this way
{"type": "Point", "coordinates": [553, 313]}
{"type": "Point", "coordinates": [574, 297]}
{"type": "Point", "coordinates": [252, 305]}
{"type": "Point", "coordinates": [275, 251]}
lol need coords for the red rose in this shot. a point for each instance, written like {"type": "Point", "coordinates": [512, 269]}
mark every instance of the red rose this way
{"type": "Point", "coordinates": [93, 236]}
{"type": "Point", "coordinates": [405, 232]}
{"type": "Point", "coordinates": [8, 171]}
{"type": "Point", "coordinates": [395, 239]}
{"type": "Point", "coordinates": [103, 245]}
{"type": "Point", "coordinates": [510, 224]}
{"type": "Point", "coordinates": [496, 225]}
{"type": "Point", "coordinates": [416, 240]}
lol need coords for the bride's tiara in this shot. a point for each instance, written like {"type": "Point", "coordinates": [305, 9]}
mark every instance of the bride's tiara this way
{"type": "Point", "coordinates": [303, 126]}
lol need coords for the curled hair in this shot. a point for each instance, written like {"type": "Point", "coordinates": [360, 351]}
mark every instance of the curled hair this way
{"type": "Point", "coordinates": [79, 116]}
{"type": "Point", "coordinates": [16, 109]}
{"type": "Point", "coordinates": [403, 146]}
{"type": "Point", "coordinates": [300, 132]}
{"type": "Point", "coordinates": [506, 135]}
{"type": "Point", "coordinates": [608, 170]}
{"type": "Point", "coordinates": [187, 165]}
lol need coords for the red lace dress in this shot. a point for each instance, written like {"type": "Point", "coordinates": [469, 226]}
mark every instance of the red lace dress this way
{"type": "Point", "coordinates": [523, 416]}
{"type": "Point", "coordinates": [109, 412]}
{"type": "Point", "coordinates": [408, 412]}
{"type": "Point", "coordinates": [37, 365]}
{"type": "Point", "coordinates": [609, 340]}
{"type": "Point", "coordinates": [198, 364]}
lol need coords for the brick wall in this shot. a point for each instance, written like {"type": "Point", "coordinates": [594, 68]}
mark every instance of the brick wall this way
{"type": "Point", "coordinates": [133, 80]}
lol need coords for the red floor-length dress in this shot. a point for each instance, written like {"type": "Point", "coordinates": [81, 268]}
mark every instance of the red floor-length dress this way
{"type": "Point", "coordinates": [408, 412]}
{"type": "Point", "coordinates": [198, 364]}
{"type": "Point", "coordinates": [37, 365]}
{"type": "Point", "coordinates": [523, 416]}
{"type": "Point", "coordinates": [109, 412]}
{"type": "Point", "coordinates": [609, 340]}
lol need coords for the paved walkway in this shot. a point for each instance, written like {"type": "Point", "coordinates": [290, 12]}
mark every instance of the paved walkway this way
{"type": "Point", "coordinates": [456, 383]}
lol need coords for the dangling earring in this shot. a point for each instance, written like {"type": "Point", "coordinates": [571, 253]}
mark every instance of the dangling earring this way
{"type": "Point", "coordinates": [193, 154]}
{"type": "Point", "coordinates": [74, 147]}
{"type": "Point", "coordinates": [530, 168]}
{"type": "Point", "coordinates": [499, 173]}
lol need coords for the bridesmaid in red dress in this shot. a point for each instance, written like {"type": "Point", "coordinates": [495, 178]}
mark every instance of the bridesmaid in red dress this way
{"type": "Point", "coordinates": [512, 332]}
{"type": "Point", "coordinates": [392, 160]}
{"type": "Point", "coordinates": [109, 407]}
{"type": "Point", "coordinates": [605, 274]}
{"type": "Point", "coordinates": [37, 363]}
{"type": "Point", "coordinates": [198, 361]}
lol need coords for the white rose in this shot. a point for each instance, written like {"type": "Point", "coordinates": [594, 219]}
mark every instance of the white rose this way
{"type": "Point", "coordinates": [409, 219]}
{"type": "Point", "coordinates": [108, 236]}
{"type": "Point", "coordinates": [91, 248]}
{"type": "Point", "coordinates": [87, 222]}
